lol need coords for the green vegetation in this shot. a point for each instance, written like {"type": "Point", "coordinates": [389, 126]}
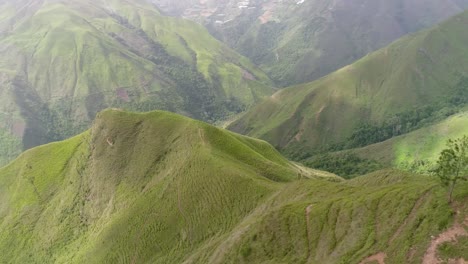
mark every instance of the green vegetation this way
{"type": "Point", "coordinates": [450, 250]}
{"type": "Point", "coordinates": [62, 62]}
{"type": "Point", "coordinates": [452, 166]}
{"type": "Point", "coordinates": [417, 151]}
{"type": "Point", "coordinates": [297, 43]}
{"type": "Point", "coordinates": [414, 82]}
{"type": "Point", "coordinates": [161, 188]}
{"type": "Point", "coordinates": [10, 147]}
{"type": "Point", "coordinates": [406, 122]}
{"type": "Point", "coordinates": [347, 165]}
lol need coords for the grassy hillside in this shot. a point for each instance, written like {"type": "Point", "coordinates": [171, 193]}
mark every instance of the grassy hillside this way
{"type": "Point", "coordinates": [161, 188]}
{"type": "Point", "coordinates": [419, 150]}
{"type": "Point", "coordinates": [416, 151]}
{"type": "Point", "coordinates": [322, 222]}
{"type": "Point", "coordinates": [63, 61]}
{"type": "Point", "coordinates": [301, 41]}
{"type": "Point", "coordinates": [415, 81]}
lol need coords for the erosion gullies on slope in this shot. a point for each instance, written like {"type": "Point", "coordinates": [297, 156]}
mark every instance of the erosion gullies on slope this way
{"type": "Point", "coordinates": [63, 61]}
{"type": "Point", "coordinates": [392, 91]}
{"type": "Point", "coordinates": [90, 197]}
{"type": "Point", "coordinates": [344, 224]}
{"type": "Point", "coordinates": [300, 41]}
{"type": "Point", "coordinates": [162, 188]}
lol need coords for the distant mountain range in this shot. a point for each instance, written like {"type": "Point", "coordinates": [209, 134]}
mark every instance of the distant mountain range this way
{"type": "Point", "coordinates": [133, 185]}
{"type": "Point", "coordinates": [297, 41]}
{"type": "Point", "coordinates": [63, 61]}
{"type": "Point", "coordinates": [416, 81]}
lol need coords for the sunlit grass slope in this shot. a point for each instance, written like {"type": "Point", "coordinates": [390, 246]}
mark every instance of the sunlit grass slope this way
{"type": "Point", "coordinates": [63, 61]}
{"type": "Point", "coordinates": [414, 72]}
{"type": "Point", "coordinates": [162, 188]}
{"type": "Point", "coordinates": [323, 222]}
{"type": "Point", "coordinates": [136, 186]}
{"type": "Point", "coordinates": [418, 150]}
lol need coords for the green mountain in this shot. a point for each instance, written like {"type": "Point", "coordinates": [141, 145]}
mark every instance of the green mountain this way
{"type": "Point", "coordinates": [162, 188]}
{"type": "Point", "coordinates": [63, 61]}
{"type": "Point", "coordinates": [418, 80]}
{"type": "Point", "coordinates": [298, 41]}
{"type": "Point", "coordinates": [419, 150]}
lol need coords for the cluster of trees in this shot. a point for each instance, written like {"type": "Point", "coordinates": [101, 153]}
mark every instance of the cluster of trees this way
{"type": "Point", "coordinates": [401, 123]}
{"type": "Point", "coordinates": [10, 146]}
{"type": "Point", "coordinates": [198, 94]}
{"type": "Point", "coordinates": [345, 165]}
{"type": "Point", "coordinates": [411, 120]}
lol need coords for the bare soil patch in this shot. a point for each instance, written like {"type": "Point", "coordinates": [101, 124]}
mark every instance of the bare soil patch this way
{"type": "Point", "coordinates": [430, 257]}
{"type": "Point", "coordinates": [379, 257]}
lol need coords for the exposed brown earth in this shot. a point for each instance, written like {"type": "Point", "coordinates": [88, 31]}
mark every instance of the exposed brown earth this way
{"type": "Point", "coordinates": [430, 257]}
{"type": "Point", "coordinates": [379, 257]}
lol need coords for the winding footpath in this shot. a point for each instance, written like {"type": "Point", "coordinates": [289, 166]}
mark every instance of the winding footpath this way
{"type": "Point", "coordinates": [430, 257]}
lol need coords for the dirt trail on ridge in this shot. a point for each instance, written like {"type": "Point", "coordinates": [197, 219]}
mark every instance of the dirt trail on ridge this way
{"type": "Point", "coordinates": [430, 257]}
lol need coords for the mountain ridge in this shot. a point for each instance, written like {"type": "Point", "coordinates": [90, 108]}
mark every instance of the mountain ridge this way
{"type": "Point", "coordinates": [158, 187]}
{"type": "Point", "coordinates": [301, 41]}
{"type": "Point", "coordinates": [63, 61]}
{"type": "Point", "coordinates": [420, 76]}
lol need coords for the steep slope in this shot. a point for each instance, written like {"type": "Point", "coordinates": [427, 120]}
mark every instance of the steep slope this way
{"type": "Point", "coordinates": [414, 81]}
{"type": "Point", "coordinates": [62, 61]}
{"type": "Point", "coordinates": [297, 41]}
{"type": "Point", "coordinates": [418, 150]}
{"type": "Point", "coordinates": [161, 188]}
{"type": "Point", "coordinates": [132, 180]}
{"type": "Point", "coordinates": [322, 222]}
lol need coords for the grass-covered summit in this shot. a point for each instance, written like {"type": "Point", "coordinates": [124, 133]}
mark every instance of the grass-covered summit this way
{"type": "Point", "coordinates": [161, 188]}
{"type": "Point", "coordinates": [63, 61]}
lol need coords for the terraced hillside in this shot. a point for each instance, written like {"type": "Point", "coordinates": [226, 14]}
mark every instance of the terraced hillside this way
{"type": "Point", "coordinates": [297, 41]}
{"type": "Point", "coordinates": [161, 188]}
{"type": "Point", "coordinates": [415, 81]}
{"type": "Point", "coordinates": [62, 61]}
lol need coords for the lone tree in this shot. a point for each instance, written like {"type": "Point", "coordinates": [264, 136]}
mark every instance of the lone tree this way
{"type": "Point", "coordinates": [453, 164]}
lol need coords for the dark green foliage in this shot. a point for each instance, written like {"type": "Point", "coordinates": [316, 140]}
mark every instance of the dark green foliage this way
{"type": "Point", "coordinates": [198, 93]}
{"type": "Point", "coordinates": [453, 163]}
{"type": "Point", "coordinates": [299, 152]}
{"type": "Point", "coordinates": [9, 146]}
{"type": "Point", "coordinates": [405, 122]}
{"type": "Point", "coordinates": [259, 48]}
{"type": "Point", "coordinates": [344, 165]}
{"type": "Point", "coordinates": [460, 96]}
